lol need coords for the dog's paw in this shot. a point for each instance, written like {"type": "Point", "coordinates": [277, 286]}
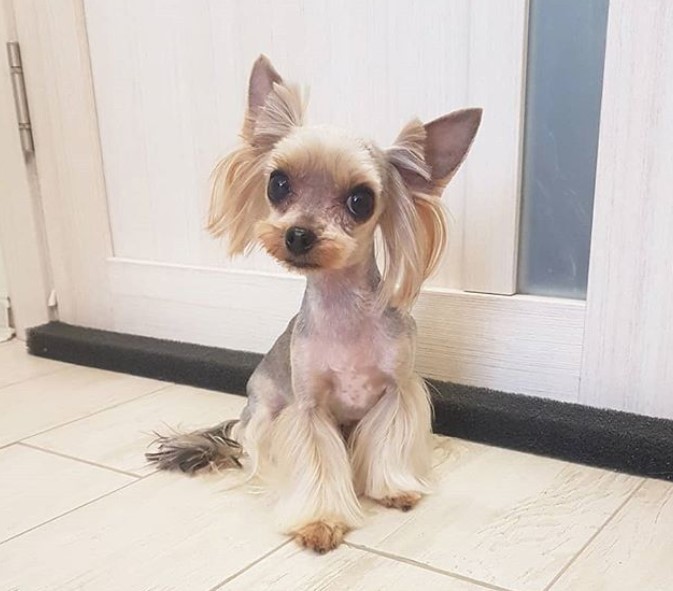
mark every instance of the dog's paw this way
{"type": "Point", "coordinates": [321, 536]}
{"type": "Point", "coordinates": [403, 501]}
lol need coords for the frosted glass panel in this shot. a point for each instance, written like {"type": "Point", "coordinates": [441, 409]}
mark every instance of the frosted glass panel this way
{"type": "Point", "coordinates": [566, 47]}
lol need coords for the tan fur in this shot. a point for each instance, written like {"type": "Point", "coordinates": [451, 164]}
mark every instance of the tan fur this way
{"type": "Point", "coordinates": [344, 366]}
{"type": "Point", "coordinates": [237, 196]}
{"type": "Point", "coordinates": [414, 225]}
{"type": "Point", "coordinates": [391, 447]}
{"type": "Point", "coordinates": [311, 470]}
{"type": "Point", "coordinates": [403, 501]}
{"type": "Point", "coordinates": [346, 160]}
{"type": "Point", "coordinates": [238, 183]}
{"type": "Point", "coordinates": [256, 440]}
{"type": "Point", "coordinates": [333, 250]}
{"type": "Point", "coordinates": [321, 536]}
{"type": "Point", "coordinates": [272, 237]}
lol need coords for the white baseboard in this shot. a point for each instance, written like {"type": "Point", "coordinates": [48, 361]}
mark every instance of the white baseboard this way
{"type": "Point", "coordinates": [524, 344]}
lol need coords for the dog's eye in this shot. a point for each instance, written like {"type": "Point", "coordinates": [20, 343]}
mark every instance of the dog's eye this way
{"type": "Point", "coordinates": [360, 203]}
{"type": "Point", "coordinates": [279, 186]}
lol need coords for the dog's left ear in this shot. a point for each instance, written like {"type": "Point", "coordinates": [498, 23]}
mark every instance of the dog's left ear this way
{"type": "Point", "coordinates": [423, 159]}
{"type": "Point", "coordinates": [427, 156]}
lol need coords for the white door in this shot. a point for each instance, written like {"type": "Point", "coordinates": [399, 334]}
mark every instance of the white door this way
{"type": "Point", "coordinates": [133, 101]}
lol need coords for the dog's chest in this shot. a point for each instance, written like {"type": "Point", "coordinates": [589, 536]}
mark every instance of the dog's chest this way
{"type": "Point", "coordinates": [357, 371]}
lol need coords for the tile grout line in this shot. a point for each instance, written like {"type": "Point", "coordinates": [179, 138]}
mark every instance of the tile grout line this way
{"type": "Point", "coordinates": [76, 459]}
{"type": "Point", "coordinates": [36, 377]}
{"type": "Point", "coordinates": [614, 514]}
{"type": "Point", "coordinates": [69, 511]}
{"type": "Point", "coordinates": [427, 567]}
{"type": "Point", "coordinates": [249, 566]}
{"type": "Point", "coordinates": [94, 413]}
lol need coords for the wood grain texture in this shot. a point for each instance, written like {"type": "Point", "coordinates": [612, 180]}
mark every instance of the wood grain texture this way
{"type": "Point", "coordinates": [498, 519]}
{"type": "Point", "coordinates": [628, 354]}
{"type": "Point", "coordinates": [58, 80]}
{"type": "Point", "coordinates": [519, 344]}
{"type": "Point", "coordinates": [350, 569]}
{"type": "Point", "coordinates": [44, 486]}
{"type": "Point", "coordinates": [633, 551]}
{"type": "Point", "coordinates": [48, 401]}
{"type": "Point", "coordinates": [170, 83]}
{"type": "Point", "coordinates": [17, 365]}
{"type": "Point", "coordinates": [503, 518]}
{"type": "Point", "coordinates": [496, 82]}
{"type": "Point", "coordinates": [120, 436]}
{"type": "Point", "coordinates": [165, 532]}
{"type": "Point", "coordinates": [21, 222]}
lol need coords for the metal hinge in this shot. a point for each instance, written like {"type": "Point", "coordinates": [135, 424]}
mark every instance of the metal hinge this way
{"type": "Point", "coordinates": [20, 96]}
{"type": "Point", "coordinates": [6, 330]}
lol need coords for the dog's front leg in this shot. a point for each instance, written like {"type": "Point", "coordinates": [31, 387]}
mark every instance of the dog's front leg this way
{"type": "Point", "coordinates": [391, 446]}
{"type": "Point", "coordinates": [317, 502]}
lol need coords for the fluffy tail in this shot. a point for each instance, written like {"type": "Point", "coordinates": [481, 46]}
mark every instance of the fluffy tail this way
{"type": "Point", "coordinates": [206, 449]}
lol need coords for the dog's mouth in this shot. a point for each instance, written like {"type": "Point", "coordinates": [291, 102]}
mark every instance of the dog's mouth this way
{"type": "Point", "coordinates": [324, 254]}
{"type": "Point", "coordinates": [300, 264]}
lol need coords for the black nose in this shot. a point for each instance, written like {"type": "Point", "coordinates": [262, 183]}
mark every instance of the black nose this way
{"type": "Point", "coordinates": [299, 240]}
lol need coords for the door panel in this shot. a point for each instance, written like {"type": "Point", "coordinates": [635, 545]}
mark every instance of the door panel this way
{"type": "Point", "coordinates": [628, 354]}
{"type": "Point", "coordinates": [170, 80]}
{"type": "Point", "coordinates": [125, 176]}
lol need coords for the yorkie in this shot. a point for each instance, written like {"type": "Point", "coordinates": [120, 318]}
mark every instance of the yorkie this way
{"type": "Point", "coordinates": [335, 410]}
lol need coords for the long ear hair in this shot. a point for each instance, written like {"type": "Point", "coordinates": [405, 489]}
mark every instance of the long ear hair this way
{"type": "Point", "coordinates": [414, 224]}
{"type": "Point", "coordinates": [237, 197]}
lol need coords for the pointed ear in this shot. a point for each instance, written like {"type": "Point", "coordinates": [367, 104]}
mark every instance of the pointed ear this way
{"type": "Point", "coordinates": [427, 156]}
{"type": "Point", "coordinates": [274, 106]}
{"type": "Point", "coordinates": [447, 141]}
{"type": "Point", "coordinates": [237, 197]}
{"type": "Point", "coordinates": [262, 79]}
{"type": "Point", "coordinates": [413, 224]}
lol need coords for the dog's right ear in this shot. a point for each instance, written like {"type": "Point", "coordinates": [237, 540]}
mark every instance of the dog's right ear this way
{"type": "Point", "coordinates": [260, 86]}
{"type": "Point", "coordinates": [262, 79]}
{"type": "Point", "coordinates": [238, 196]}
{"type": "Point", "coordinates": [274, 107]}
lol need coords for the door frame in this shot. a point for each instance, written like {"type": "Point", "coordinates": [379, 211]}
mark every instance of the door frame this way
{"type": "Point", "coordinates": [22, 233]}
{"type": "Point", "coordinates": [555, 348]}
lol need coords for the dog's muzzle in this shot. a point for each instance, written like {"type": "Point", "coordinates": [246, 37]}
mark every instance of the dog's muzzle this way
{"type": "Point", "coordinates": [299, 240]}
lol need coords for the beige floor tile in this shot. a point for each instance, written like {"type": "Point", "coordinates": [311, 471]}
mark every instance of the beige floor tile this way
{"type": "Point", "coordinates": [32, 406]}
{"type": "Point", "coordinates": [17, 365]}
{"type": "Point", "coordinates": [346, 569]}
{"type": "Point", "coordinates": [501, 517]}
{"type": "Point", "coordinates": [165, 532]}
{"type": "Point", "coordinates": [37, 486]}
{"type": "Point", "coordinates": [634, 551]}
{"type": "Point", "coordinates": [119, 437]}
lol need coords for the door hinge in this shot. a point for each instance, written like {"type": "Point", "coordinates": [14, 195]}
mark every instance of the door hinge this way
{"type": "Point", "coordinates": [6, 330]}
{"type": "Point", "coordinates": [20, 96]}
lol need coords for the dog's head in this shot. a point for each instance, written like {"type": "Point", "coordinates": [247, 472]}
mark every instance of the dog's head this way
{"type": "Point", "coordinates": [314, 196]}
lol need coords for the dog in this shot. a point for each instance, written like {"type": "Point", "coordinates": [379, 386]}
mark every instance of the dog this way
{"type": "Point", "coordinates": [335, 410]}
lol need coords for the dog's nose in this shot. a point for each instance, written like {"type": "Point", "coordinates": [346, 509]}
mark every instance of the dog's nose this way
{"type": "Point", "coordinates": [299, 240]}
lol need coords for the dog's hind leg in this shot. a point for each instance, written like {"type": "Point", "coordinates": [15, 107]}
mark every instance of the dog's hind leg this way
{"type": "Point", "coordinates": [223, 445]}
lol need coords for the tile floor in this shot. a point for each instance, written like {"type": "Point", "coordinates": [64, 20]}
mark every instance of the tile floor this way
{"type": "Point", "coordinates": [80, 510]}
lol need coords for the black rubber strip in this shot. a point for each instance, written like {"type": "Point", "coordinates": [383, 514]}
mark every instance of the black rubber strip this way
{"type": "Point", "coordinates": [609, 439]}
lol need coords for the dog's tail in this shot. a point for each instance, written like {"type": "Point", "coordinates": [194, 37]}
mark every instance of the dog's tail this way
{"type": "Point", "coordinates": [206, 449]}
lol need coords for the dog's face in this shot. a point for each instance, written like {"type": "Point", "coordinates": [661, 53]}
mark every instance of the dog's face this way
{"type": "Point", "coordinates": [313, 197]}
{"type": "Point", "coordinates": [324, 191]}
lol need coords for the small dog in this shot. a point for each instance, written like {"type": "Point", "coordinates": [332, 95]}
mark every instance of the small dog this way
{"type": "Point", "coordinates": [335, 410]}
